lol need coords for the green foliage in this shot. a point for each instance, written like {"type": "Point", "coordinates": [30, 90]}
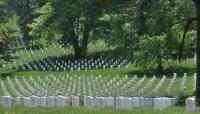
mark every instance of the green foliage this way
{"type": "Point", "coordinates": [5, 11]}
{"type": "Point", "coordinates": [152, 51]}
{"type": "Point", "coordinates": [120, 23]}
{"type": "Point", "coordinates": [3, 44]}
{"type": "Point", "coordinates": [5, 14]}
{"type": "Point", "coordinates": [3, 35]}
{"type": "Point", "coordinates": [78, 21]}
{"type": "Point", "coordinates": [39, 24]}
{"type": "Point", "coordinates": [24, 9]}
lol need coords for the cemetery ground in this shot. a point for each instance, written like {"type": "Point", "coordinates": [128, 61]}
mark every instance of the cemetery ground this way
{"type": "Point", "coordinates": [121, 75]}
{"type": "Point", "coordinates": [99, 56]}
{"type": "Point", "coordinates": [179, 108]}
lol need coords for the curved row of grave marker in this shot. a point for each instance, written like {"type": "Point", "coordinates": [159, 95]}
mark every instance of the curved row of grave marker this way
{"type": "Point", "coordinates": [85, 86]}
{"type": "Point", "coordinates": [46, 59]}
{"type": "Point", "coordinates": [24, 55]}
{"type": "Point", "coordinates": [43, 93]}
{"type": "Point", "coordinates": [53, 64]}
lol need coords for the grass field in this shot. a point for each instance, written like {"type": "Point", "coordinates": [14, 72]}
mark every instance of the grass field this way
{"type": "Point", "coordinates": [187, 66]}
{"type": "Point", "coordinates": [144, 110]}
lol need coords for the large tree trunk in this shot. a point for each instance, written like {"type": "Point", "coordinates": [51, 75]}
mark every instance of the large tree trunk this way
{"type": "Point", "coordinates": [85, 43]}
{"type": "Point", "coordinates": [76, 46]}
{"type": "Point", "coordinates": [197, 3]}
{"type": "Point", "coordinates": [77, 50]}
{"type": "Point", "coordinates": [70, 34]}
{"type": "Point", "coordinates": [159, 66]}
{"type": "Point", "coordinates": [142, 18]}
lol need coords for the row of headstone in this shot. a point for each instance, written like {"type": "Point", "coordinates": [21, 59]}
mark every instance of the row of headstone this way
{"type": "Point", "coordinates": [13, 89]}
{"type": "Point", "coordinates": [126, 85]}
{"type": "Point", "coordinates": [31, 55]}
{"type": "Point", "coordinates": [46, 65]}
{"type": "Point", "coordinates": [183, 81]}
{"type": "Point", "coordinates": [171, 85]}
{"type": "Point", "coordinates": [4, 89]}
{"type": "Point", "coordinates": [179, 95]}
{"type": "Point", "coordinates": [194, 82]}
{"type": "Point", "coordinates": [95, 86]}
{"type": "Point", "coordinates": [99, 102]}
{"type": "Point", "coordinates": [158, 86]}
{"type": "Point", "coordinates": [137, 85]}
{"type": "Point", "coordinates": [34, 101]}
{"type": "Point", "coordinates": [84, 86]}
{"type": "Point", "coordinates": [21, 87]}
{"type": "Point", "coordinates": [146, 87]}
{"type": "Point", "coordinates": [163, 103]}
{"type": "Point", "coordinates": [105, 87]}
{"type": "Point", "coordinates": [118, 102]}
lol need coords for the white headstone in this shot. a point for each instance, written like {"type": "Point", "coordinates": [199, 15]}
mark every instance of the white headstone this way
{"type": "Point", "coordinates": [26, 101]}
{"type": "Point", "coordinates": [19, 101]}
{"type": "Point", "coordinates": [43, 102]}
{"type": "Point", "coordinates": [158, 104]}
{"type": "Point", "coordinates": [50, 101]}
{"type": "Point", "coordinates": [128, 104]}
{"type": "Point", "coordinates": [66, 101]}
{"type": "Point", "coordinates": [59, 101]}
{"type": "Point", "coordinates": [109, 102]}
{"type": "Point", "coordinates": [190, 104]}
{"type": "Point", "coordinates": [34, 100]}
{"type": "Point", "coordinates": [141, 101]}
{"type": "Point", "coordinates": [6, 101]}
{"type": "Point", "coordinates": [136, 102]}
{"type": "Point", "coordinates": [119, 103]}
{"type": "Point", "coordinates": [88, 102]}
{"type": "Point", "coordinates": [99, 102]}
{"type": "Point", "coordinates": [148, 101]}
{"type": "Point", "coordinates": [75, 101]}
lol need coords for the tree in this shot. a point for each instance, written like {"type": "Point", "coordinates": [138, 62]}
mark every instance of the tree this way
{"type": "Point", "coordinates": [189, 21]}
{"type": "Point", "coordinates": [3, 44]}
{"type": "Point", "coordinates": [152, 51]}
{"type": "Point", "coordinates": [76, 20]}
{"type": "Point", "coordinates": [25, 12]}
{"type": "Point", "coordinates": [4, 33]}
{"type": "Point", "coordinates": [197, 93]}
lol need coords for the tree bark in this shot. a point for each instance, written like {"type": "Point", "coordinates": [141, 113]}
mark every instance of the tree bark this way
{"type": "Point", "coordinates": [85, 43]}
{"type": "Point", "coordinates": [142, 18]}
{"type": "Point", "coordinates": [159, 66]}
{"type": "Point", "coordinates": [189, 21]}
{"type": "Point", "coordinates": [197, 93]}
{"type": "Point", "coordinates": [77, 48]}
{"type": "Point", "coordinates": [70, 34]}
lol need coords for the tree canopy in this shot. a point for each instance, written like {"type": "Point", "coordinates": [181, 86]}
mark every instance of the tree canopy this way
{"type": "Point", "coordinates": [150, 31]}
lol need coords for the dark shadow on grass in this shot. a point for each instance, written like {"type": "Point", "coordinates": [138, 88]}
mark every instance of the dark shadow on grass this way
{"type": "Point", "coordinates": [167, 72]}
{"type": "Point", "coordinates": [5, 75]}
{"type": "Point", "coordinates": [109, 54]}
{"type": "Point", "coordinates": [182, 100]}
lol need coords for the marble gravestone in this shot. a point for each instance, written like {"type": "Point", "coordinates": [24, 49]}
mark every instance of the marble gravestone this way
{"type": "Point", "coordinates": [119, 104]}
{"type": "Point", "coordinates": [99, 102]}
{"type": "Point", "coordinates": [75, 101]}
{"type": "Point", "coordinates": [88, 102]}
{"type": "Point", "coordinates": [190, 104]}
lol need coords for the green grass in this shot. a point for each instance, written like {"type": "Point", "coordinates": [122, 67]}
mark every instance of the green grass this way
{"type": "Point", "coordinates": [69, 110]}
{"type": "Point", "coordinates": [121, 72]}
{"type": "Point", "coordinates": [179, 68]}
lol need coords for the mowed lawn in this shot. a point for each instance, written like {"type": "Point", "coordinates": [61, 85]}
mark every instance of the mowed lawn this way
{"type": "Point", "coordinates": [69, 110]}
{"type": "Point", "coordinates": [184, 67]}
{"type": "Point", "coordinates": [178, 109]}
